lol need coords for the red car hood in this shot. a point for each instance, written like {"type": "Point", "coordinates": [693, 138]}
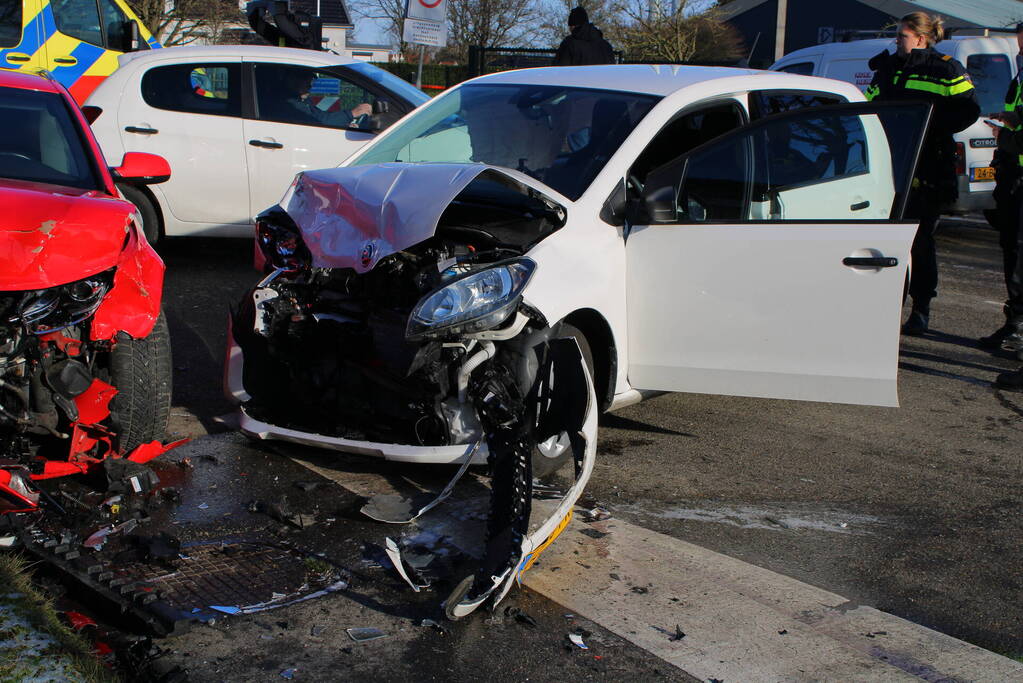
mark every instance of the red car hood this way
{"type": "Point", "coordinates": [51, 235]}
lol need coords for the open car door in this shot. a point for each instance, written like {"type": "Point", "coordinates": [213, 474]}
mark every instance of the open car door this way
{"type": "Point", "coordinates": [770, 261]}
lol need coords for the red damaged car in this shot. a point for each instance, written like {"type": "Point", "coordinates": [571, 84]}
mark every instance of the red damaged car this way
{"type": "Point", "coordinates": [84, 348]}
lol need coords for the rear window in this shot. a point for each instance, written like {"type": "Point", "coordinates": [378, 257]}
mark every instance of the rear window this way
{"type": "Point", "coordinates": [41, 142]}
{"type": "Point", "coordinates": [990, 75]}
{"type": "Point", "coordinates": [10, 23]}
{"type": "Point", "coordinates": [194, 88]}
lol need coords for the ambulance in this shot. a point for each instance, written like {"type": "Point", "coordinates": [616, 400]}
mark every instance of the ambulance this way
{"type": "Point", "coordinates": [77, 41]}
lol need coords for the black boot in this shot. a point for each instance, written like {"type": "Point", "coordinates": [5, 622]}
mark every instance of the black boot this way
{"type": "Point", "coordinates": [994, 340]}
{"type": "Point", "coordinates": [916, 324]}
{"type": "Point", "coordinates": [1010, 381]}
{"type": "Point", "coordinates": [1013, 341]}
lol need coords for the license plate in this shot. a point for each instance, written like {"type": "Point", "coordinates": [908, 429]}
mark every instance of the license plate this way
{"type": "Point", "coordinates": [983, 173]}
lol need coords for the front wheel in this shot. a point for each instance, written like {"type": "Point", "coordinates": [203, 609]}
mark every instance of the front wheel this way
{"type": "Point", "coordinates": [140, 370]}
{"type": "Point", "coordinates": [551, 453]}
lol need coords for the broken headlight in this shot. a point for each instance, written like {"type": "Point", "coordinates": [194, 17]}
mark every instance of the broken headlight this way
{"type": "Point", "coordinates": [55, 308]}
{"type": "Point", "coordinates": [280, 241]}
{"type": "Point", "coordinates": [472, 303]}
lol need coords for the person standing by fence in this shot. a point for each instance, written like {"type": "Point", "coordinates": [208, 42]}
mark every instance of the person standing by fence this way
{"type": "Point", "coordinates": [919, 72]}
{"type": "Point", "coordinates": [584, 44]}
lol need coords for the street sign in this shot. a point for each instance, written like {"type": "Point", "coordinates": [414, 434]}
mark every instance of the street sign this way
{"type": "Point", "coordinates": [425, 32]}
{"type": "Point", "coordinates": [430, 10]}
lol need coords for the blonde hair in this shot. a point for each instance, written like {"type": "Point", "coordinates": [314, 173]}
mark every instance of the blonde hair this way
{"type": "Point", "coordinates": [930, 26]}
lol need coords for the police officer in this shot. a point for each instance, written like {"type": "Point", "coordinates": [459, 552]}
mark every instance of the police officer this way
{"type": "Point", "coordinates": [919, 72]}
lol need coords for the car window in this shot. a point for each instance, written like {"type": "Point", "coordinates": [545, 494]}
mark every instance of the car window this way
{"type": "Point", "coordinates": [41, 142]}
{"type": "Point", "coordinates": [801, 68]}
{"type": "Point", "coordinates": [561, 136]}
{"type": "Point", "coordinates": [307, 97]}
{"type": "Point", "coordinates": [398, 86]}
{"type": "Point", "coordinates": [78, 19]}
{"type": "Point", "coordinates": [116, 24]}
{"type": "Point", "coordinates": [10, 23]}
{"type": "Point", "coordinates": [687, 132]}
{"type": "Point", "coordinates": [990, 75]}
{"type": "Point", "coordinates": [815, 166]}
{"type": "Point", "coordinates": [194, 88]}
{"type": "Point", "coordinates": [768, 102]}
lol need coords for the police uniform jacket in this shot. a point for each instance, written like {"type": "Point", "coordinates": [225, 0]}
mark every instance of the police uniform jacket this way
{"type": "Point", "coordinates": [928, 75]}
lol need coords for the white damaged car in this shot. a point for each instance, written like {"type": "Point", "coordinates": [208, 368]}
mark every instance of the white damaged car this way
{"type": "Point", "coordinates": [534, 247]}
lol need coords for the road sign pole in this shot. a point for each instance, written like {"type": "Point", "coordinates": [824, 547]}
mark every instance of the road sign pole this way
{"type": "Point", "coordinates": [419, 71]}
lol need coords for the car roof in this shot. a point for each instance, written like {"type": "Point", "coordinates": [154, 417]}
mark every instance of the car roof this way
{"type": "Point", "coordinates": [27, 80]}
{"type": "Point", "coordinates": [268, 52]}
{"type": "Point", "coordinates": [872, 46]}
{"type": "Point", "coordinates": [652, 79]}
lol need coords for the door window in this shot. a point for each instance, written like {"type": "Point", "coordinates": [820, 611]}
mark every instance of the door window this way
{"type": "Point", "coordinates": [10, 23]}
{"type": "Point", "coordinates": [768, 102]}
{"type": "Point", "coordinates": [807, 166]}
{"type": "Point", "coordinates": [118, 31]}
{"type": "Point", "coordinates": [194, 88]}
{"type": "Point", "coordinates": [800, 68]}
{"type": "Point", "coordinates": [307, 97]}
{"type": "Point", "coordinates": [990, 75]}
{"type": "Point", "coordinates": [78, 19]}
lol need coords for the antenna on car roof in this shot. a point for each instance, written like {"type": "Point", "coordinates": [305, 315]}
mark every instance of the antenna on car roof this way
{"type": "Point", "coordinates": [272, 21]}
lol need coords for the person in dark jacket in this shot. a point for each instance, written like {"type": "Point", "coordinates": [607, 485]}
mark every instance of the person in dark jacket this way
{"type": "Point", "coordinates": [584, 44]}
{"type": "Point", "coordinates": [919, 72]}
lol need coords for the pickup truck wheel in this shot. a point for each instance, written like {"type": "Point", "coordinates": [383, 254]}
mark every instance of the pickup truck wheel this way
{"type": "Point", "coordinates": [150, 219]}
{"type": "Point", "coordinates": [550, 454]}
{"type": "Point", "coordinates": [140, 370]}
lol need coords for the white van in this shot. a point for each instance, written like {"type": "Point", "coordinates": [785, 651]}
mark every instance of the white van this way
{"type": "Point", "coordinates": [991, 63]}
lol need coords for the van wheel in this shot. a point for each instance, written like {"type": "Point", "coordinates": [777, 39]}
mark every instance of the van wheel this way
{"type": "Point", "coordinates": [549, 455]}
{"type": "Point", "coordinates": [150, 219]}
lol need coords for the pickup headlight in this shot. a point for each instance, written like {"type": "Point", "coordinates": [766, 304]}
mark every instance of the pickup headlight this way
{"type": "Point", "coordinates": [472, 303]}
{"type": "Point", "coordinates": [48, 310]}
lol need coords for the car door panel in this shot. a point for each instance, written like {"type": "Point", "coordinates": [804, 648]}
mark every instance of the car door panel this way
{"type": "Point", "coordinates": [741, 282]}
{"type": "Point", "coordinates": [200, 136]}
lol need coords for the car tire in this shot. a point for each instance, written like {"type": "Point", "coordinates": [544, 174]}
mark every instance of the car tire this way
{"type": "Point", "coordinates": [140, 370]}
{"type": "Point", "coordinates": [150, 218]}
{"type": "Point", "coordinates": [552, 454]}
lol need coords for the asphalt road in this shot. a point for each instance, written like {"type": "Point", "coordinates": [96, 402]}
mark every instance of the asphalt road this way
{"type": "Point", "coordinates": [915, 510]}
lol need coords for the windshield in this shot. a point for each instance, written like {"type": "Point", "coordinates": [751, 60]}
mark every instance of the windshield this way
{"type": "Point", "coordinates": [399, 86]}
{"type": "Point", "coordinates": [41, 142]}
{"type": "Point", "coordinates": [560, 136]}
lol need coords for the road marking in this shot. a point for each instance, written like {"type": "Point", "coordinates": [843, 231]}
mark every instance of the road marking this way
{"type": "Point", "coordinates": [742, 622]}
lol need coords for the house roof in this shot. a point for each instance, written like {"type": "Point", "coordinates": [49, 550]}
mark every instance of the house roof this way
{"type": "Point", "coordinates": [992, 13]}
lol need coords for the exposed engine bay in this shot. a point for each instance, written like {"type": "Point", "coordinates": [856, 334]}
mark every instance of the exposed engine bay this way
{"type": "Point", "coordinates": [423, 344]}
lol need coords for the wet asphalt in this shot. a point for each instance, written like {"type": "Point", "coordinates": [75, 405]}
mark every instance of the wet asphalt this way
{"type": "Point", "coordinates": [915, 511]}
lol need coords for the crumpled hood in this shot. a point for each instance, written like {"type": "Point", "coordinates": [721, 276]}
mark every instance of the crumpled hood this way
{"type": "Point", "coordinates": [354, 216]}
{"type": "Point", "coordinates": [50, 236]}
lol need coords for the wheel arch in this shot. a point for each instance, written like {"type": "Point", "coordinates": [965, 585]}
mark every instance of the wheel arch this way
{"type": "Point", "coordinates": [155, 203]}
{"type": "Point", "coordinates": [602, 347]}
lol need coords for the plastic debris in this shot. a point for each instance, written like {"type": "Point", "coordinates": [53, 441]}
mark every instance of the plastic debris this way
{"type": "Point", "coordinates": [596, 515]}
{"type": "Point", "coordinates": [577, 640]}
{"type": "Point", "coordinates": [394, 553]}
{"type": "Point", "coordinates": [226, 609]}
{"type": "Point", "coordinates": [288, 674]}
{"type": "Point", "coordinates": [678, 635]}
{"type": "Point", "coordinates": [394, 509]}
{"type": "Point", "coordinates": [519, 616]}
{"type": "Point", "coordinates": [98, 539]}
{"type": "Point", "coordinates": [204, 506]}
{"type": "Point", "coordinates": [438, 627]}
{"type": "Point", "coordinates": [361, 635]}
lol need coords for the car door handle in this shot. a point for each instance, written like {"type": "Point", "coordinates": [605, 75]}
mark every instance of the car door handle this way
{"type": "Point", "coordinates": [859, 206]}
{"type": "Point", "coordinates": [139, 129]}
{"type": "Point", "coordinates": [13, 57]}
{"type": "Point", "coordinates": [871, 261]}
{"type": "Point", "coordinates": [265, 144]}
{"type": "Point", "coordinates": [65, 60]}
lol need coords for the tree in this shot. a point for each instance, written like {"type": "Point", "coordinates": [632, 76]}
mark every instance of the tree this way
{"type": "Point", "coordinates": [658, 32]}
{"type": "Point", "coordinates": [391, 12]}
{"type": "Point", "coordinates": [553, 26]}
{"type": "Point", "coordinates": [180, 22]}
{"type": "Point", "coordinates": [490, 23]}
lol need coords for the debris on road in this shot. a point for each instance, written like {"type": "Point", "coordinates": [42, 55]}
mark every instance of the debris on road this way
{"type": "Point", "coordinates": [577, 640]}
{"type": "Point", "coordinates": [394, 554]}
{"type": "Point", "coordinates": [362, 635]}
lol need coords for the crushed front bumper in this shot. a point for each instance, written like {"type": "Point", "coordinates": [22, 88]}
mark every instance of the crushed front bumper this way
{"type": "Point", "coordinates": [234, 363]}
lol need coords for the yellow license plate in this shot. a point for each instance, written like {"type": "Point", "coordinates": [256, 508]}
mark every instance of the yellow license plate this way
{"type": "Point", "coordinates": [984, 173]}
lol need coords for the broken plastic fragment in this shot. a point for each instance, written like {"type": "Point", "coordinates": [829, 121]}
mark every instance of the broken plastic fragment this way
{"type": "Point", "coordinates": [596, 515]}
{"type": "Point", "coordinates": [288, 673]}
{"type": "Point", "coordinates": [577, 640]}
{"type": "Point", "coordinates": [97, 539]}
{"type": "Point", "coordinates": [394, 553]}
{"type": "Point", "coordinates": [204, 506]}
{"type": "Point", "coordinates": [361, 635]}
{"type": "Point", "coordinates": [226, 609]}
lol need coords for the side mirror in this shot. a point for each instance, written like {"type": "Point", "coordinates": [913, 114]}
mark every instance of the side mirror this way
{"type": "Point", "coordinates": [381, 107]}
{"type": "Point", "coordinates": [132, 38]}
{"type": "Point", "coordinates": [613, 211]}
{"type": "Point", "coordinates": [140, 168]}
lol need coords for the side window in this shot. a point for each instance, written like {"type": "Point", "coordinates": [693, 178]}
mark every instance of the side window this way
{"type": "Point", "coordinates": [809, 167]}
{"type": "Point", "coordinates": [768, 102]}
{"type": "Point", "coordinates": [115, 22]}
{"type": "Point", "coordinates": [688, 131]}
{"type": "Point", "coordinates": [308, 97]}
{"type": "Point", "coordinates": [801, 68]}
{"type": "Point", "coordinates": [78, 19]}
{"type": "Point", "coordinates": [194, 88]}
{"type": "Point", "coordinates": [990, 75]}
{"type": "Point", "coordinates": [10, 23]}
